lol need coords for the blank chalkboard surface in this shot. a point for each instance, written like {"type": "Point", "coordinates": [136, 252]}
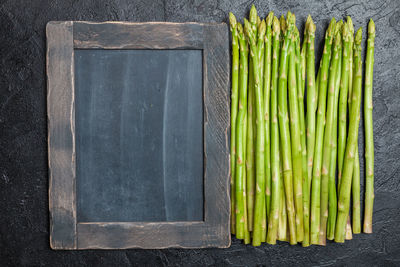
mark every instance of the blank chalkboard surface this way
{"type": "Point", "coordinates": [139, 135]}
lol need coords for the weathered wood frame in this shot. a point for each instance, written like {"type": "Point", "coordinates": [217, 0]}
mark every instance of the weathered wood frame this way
{"type": "Point", "coordinates": [65, 232]}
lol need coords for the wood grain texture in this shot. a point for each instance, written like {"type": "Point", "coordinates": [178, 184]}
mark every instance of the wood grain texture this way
{"type": "Point", "coordinates": [157, 235]}
{"type": "Point", "coordinates": [61, 132]}
{"type": "Point", "coordinates": [129, 35]}
{"type": "Point", "coordinates": [216, 122]}
{"type": "Point", "coordinates": [212, 39]}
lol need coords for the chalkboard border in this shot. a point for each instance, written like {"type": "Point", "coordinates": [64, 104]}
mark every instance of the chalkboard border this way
{"type": "Point", "coordinates": [65, 232]}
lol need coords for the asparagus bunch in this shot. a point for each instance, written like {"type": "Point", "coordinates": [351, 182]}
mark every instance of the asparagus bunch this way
{"type": "Point", "coordinates": [293, 130]}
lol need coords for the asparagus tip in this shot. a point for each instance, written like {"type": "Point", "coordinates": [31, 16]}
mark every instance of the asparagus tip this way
{"type": "Point", "coordinates": [276, 27]}
{"type": "Point", "coordinates": [269, 18]}
{"type": "Point", "coordinates": [310, 25]}
{"type": "Point", "coordinates": [283, 23]}
{"type": "Point", "coordinates": [290, 21]}
{"type": "Point", "coordinates": [239, 28]}
{"type": "Point", "coordinates": [346, 32]}
{"type": "Point", "coordinates": [232, 20]}
{"type": "Point", "coordinates": [258, 21]}
{"type": "Point", "coordinates": [371, 27]}
{"type": "Point", "coordinates": [253, 15]}
{"type": "Point", "coordinates": [248, 31]}
{"type": "Point", "coordinates": [331, 28]}
{"type": "Point", "coordinates": [358, 38]}
{"type": "Point", "coordinates": [339, 27]}
{"type": "Point", "coordinates": [261, 29]}
{"type": "Point", "coordinates": [350, 23]}
{"type": "Point", "coordinates": [338, 39]}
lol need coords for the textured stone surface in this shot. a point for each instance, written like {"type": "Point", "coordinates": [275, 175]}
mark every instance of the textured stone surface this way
{"type": "Point", "coordinates": [24, 221]}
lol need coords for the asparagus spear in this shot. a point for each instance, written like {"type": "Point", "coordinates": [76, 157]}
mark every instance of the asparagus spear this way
{"type": "Point", "coordinates": [345, 186]}
{"type": "Point", "coordinates": [234, 102]}
{"type": "Point", "coordinates": [273, 215]}
{"type": "Point", "coordinates": [240, 140]}
{"type": "Point", "coordinates": [327, 147]}
{"type": "Point", "coordinates": [295, 133]}
{"type": "Point", "coordinates": [266, 77]}
{"type": "Point", "coordinates": [332, 194]}
{"type": "Point", "coordinates": [316, 179]}
{"type": "Point", "coordinates": [344, 86]}
{"type": "Point", "coordinates": [284, 127]}
{"type": "Point", "coordinates": [267, 89]}
{"type": "Point", "coordinates": [355, 188]}
{"type": "Point", "coordinates": [300, 95]}
{"type": "Point", "coordinates": [369, 138]}
{"type": "Point", "coordinates": [311, 97]}
{"type": "Point", "coordinates": [349, 235]}
{"type": "Point", "coordinates": [260, 139]}
{"type": "Point", "coordinates": [251, 179]}
{"type": "Point", "coordinates": [261, 57]}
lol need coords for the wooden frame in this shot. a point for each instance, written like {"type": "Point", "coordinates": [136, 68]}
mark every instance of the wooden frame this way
{"type": "Point", "coordinates": [65, 232]}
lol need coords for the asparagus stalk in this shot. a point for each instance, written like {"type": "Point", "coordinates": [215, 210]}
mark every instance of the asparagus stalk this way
{"type": "Point", "coordinates": [311, 97]}
{"type": "Point", "coordinates": [344, 86]}
{"type": "Point", "coordinates": [250, 175]}
{"type": "Point", "coordinates": [355, 189]}
{"type": "Point", "coordinates": [247, 237]}
{"type": "Point", "coordinates": [332, 194]}
{"type": "Point", "coordinates": [284, 127]}
{"type": "Point", "coordinates": [345, 186]}
{"type": "Point", "coordinates": [240, 140]}
{"type": "Point", "coordinates": [317, 81]}
{"type": "Point", "coordinates": [261, 47]}
{"type": "Point", "coordinates": [327, 147]}
{"type": "Point", "coordinates": [316, 179]}
{"type": "Point", "coordinates": [283, 220]}
{"type": "Point", "coordinates": [300, 95]}
{"type": "Point", "coordinates": [295, 134]}
{"type": "Point", "coordinates": [260, 139]}
{"type": "Point", "coordinates": [234, 103]}
{"type": "Point", "coordinates": [351, 67]}
{"type": "Point", "coordinates": [273, 215]}
{"type": "Point", "coordinates": [369, 138]}
{"type": "Point", "coordinates": [349, 235]}
{"type": "Point", "coordinates": [267, 89]}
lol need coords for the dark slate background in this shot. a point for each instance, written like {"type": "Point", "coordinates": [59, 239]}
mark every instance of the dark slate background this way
{"type": "Point", "coordinates": [24, 219]}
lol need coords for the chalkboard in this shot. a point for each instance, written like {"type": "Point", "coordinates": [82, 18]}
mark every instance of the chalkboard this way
{"type": "Point", "coordinates": [138, 119]}
{"type": "Point", "coordinates": [139, 141]}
